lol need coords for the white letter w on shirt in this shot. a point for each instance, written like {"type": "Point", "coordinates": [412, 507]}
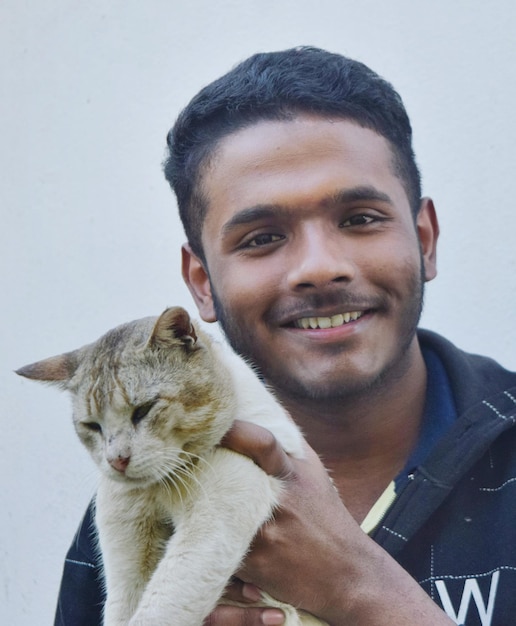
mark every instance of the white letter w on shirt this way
{"type": "Point", "coordinates": [470, 592]}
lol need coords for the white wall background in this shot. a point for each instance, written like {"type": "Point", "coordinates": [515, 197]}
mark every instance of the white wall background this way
{"type": "Point", "coordinates": [89, 237]}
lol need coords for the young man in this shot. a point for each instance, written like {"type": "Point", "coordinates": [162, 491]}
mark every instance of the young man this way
{"type": "Point", "coordinates": [308, 241]}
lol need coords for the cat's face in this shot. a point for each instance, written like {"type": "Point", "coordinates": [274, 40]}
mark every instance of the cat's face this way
{"type": "Point", "coordinates": [148, 397]}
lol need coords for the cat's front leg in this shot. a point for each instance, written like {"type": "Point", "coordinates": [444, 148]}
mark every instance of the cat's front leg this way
{"type": "Point", "coordinates": [230, 500]}
{"type": "Point", "coordinates": [131, 543]}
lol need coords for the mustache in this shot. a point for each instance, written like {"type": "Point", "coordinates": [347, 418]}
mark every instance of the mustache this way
{"type": "Point", "coordinates": [315, 303]}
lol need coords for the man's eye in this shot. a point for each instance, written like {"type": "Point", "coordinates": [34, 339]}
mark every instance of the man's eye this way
{"type": "Point", "coordinates": [357, 220]}
{"type": "Point", "coordinates": [263, 240]}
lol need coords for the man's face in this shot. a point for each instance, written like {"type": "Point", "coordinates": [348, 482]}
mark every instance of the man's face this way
{"type": "Point", "coordinates": [314, 266]}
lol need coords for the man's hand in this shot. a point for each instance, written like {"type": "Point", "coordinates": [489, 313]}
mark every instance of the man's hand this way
{"type": "Point", "coordinates": [310, 521]}
{"type": "Point", "coordinates": [238, 591]}
{"type": "Point", "coordinates": [315, 556]}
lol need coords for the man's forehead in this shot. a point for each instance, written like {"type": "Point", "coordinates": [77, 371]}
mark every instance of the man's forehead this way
{"type": "Point", "coordinates": [270, 147]}
{"type": "Point", "coordinates": [289, 128]}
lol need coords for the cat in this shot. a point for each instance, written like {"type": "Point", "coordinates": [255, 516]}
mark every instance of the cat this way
{"type": "Point", "coordinates": [175, 513]}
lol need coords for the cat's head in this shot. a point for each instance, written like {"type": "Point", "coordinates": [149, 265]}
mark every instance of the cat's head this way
{"type": "Point", "coordinates": [148, 396]}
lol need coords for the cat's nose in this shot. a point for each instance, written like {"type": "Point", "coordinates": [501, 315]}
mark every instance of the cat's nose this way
{"type": "Point", "coordinates": [120, 463]}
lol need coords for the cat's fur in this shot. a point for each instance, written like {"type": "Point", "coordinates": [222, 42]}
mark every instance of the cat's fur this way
{"type": "Point", "coordinates": [175, 513]}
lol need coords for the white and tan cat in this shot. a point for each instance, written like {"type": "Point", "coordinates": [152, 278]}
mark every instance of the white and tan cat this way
{"type": "Point", "coordinates": [175, 513]}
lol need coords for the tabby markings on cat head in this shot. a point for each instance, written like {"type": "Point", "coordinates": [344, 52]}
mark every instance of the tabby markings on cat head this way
{"type": "Point", "coordinates": [149, 397]}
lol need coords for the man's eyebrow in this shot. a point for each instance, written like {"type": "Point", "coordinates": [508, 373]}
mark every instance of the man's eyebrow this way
{"type": "Point", "coordinates": [362, 193]}
{"type": "Point", "coordinates": [250, 215]}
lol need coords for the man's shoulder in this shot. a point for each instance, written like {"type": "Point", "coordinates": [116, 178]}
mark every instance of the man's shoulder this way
{"type": "Point", "coordinates": [474, 378]}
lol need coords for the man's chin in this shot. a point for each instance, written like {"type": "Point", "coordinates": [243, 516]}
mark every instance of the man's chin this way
{"type": "Point", "coordinates": [321, 389]}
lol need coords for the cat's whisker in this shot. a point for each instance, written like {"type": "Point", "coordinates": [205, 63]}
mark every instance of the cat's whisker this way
{"type": "Point", "coordinates": [191, 456]}
{"type": "Point", "coordinates": [169, 473]}
{"type": "Point", "coordinates": [169, 487]}
{"type": "Point", "coordinates": [183, 476]}
{"type": "Point", "coordinates": [190, 476]}
{"type": "Point", "coordinates": [180, 484]}
{"type": "Point", "coordinates": [191, 460]}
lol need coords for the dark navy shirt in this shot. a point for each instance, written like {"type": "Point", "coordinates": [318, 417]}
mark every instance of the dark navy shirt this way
{"type": "Point", "coordinates": [439, 414]}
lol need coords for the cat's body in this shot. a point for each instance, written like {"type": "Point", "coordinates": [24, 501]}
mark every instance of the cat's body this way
{"type": "Point", "coordinates": [175, 513]}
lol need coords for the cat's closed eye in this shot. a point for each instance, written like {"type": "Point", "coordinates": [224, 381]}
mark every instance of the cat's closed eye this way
{"type": "Point", "coordinates": [95, 426]}
{"type": "Point", "coordinates": [140, 412]}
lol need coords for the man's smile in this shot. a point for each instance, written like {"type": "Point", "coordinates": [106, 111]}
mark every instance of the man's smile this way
{"type": "Point", "coordinates": [328, 322]}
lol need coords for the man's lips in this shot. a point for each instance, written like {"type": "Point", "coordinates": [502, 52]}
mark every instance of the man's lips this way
{"type": "Point", "coordinates": [323, 311]}
{"type": "Point", "coordinates": [324, 322]}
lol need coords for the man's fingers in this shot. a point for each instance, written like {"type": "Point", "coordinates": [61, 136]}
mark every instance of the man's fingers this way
{"type": "Point", "coordinates": [236, 616]}
{"type": "Point", "coordinates": [239, 591]}
{"type": "Point", "coordinates": [261, 446]}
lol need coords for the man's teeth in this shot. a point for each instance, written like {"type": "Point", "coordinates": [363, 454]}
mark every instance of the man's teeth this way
{"type": "Point", "coordinates": [328, 322]}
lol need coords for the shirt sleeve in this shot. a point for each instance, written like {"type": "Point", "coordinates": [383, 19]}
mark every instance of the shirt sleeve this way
{"type": "Point", "coordinates": [81, 594]}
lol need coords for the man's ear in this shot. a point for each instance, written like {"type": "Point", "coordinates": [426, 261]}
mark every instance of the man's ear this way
{"type": "Point", "coordinates": [198, 282]}
{"type": "Point", "coordinates": [428, 233]}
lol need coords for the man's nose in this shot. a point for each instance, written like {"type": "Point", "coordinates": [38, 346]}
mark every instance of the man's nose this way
{"type": "Point", "coordinates": [319, 259]}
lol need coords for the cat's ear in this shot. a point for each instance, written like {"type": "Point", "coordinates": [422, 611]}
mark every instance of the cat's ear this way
{"type": "Point", "coordinates": [57, 369]}
{"type": "Point", "coordinates": [173, 326]}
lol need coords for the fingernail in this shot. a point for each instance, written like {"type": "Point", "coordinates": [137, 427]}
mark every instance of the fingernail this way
{"type": "Point", "coordinates": [251, 592]}
{"type": "Point", "coordinates": [273, 617]}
